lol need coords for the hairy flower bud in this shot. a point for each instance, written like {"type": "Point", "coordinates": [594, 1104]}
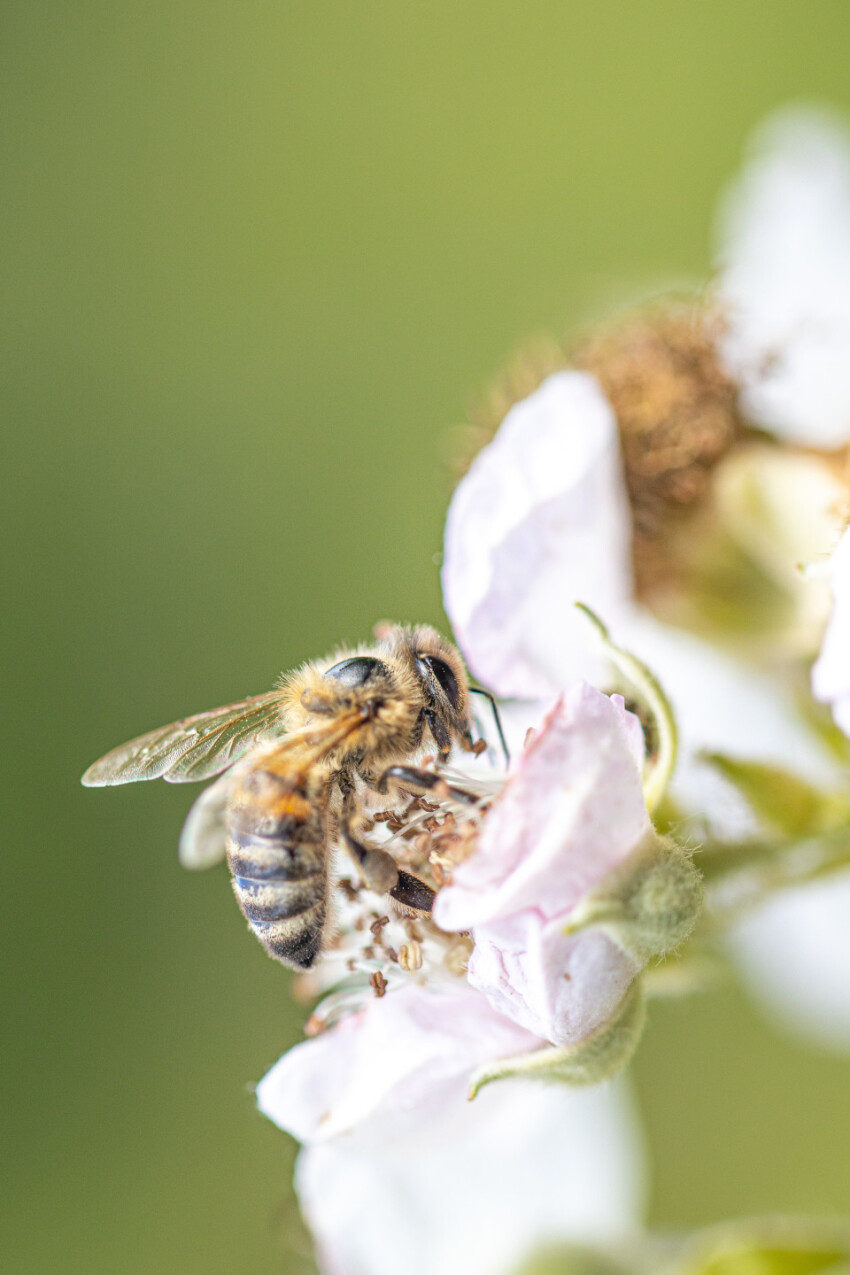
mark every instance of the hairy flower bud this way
{"type": "Point", "coordinates": [649, 905]}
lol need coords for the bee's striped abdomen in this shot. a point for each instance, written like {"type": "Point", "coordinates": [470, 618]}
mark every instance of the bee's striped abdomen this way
{"type": "Point", "coordinates": [280, 875]}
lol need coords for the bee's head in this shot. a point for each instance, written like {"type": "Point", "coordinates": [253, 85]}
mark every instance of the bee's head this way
{"type": "Point", "coordinates": [409, 684]}
{"type": "Point", "coordinates": [443, 683]}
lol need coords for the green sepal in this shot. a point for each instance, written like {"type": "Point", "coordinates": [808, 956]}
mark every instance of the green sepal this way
{"type": "Point", "coordinates": [783, 801]}
{"type": "Point", "coordinates": [600, 1056]}
{"type": "Point", "coordinates": [819, 719]}
{"type": "Point", "coordinates": [779, 1246]}
{"type": "Point", "coordinates": [654, 705]}
{"type": "Point", "coordinates": [649, 904]}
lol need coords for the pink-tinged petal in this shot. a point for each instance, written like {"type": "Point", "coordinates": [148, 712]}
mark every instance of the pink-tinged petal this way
{"type": "Point", "coordinates": [476, 1187]}
{"type": "Point", "coordinates": [785, 278]}
{"type": "Point", "coordinates": [831, 673]}
{"type": "Point", "coordinates": [561, 987]}
{"type": "Point", "coordinates": [401, 1054]}
{"type": "Point", "coordinates": [571, 811]}
{"type": "Point", "coordinates": [540, 522]}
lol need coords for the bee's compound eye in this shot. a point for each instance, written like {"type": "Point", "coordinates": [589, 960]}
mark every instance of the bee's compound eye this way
{"type": "Point", "coordinates": [357, 671]}
{"type": "Point", "coordinates": [444, 676]}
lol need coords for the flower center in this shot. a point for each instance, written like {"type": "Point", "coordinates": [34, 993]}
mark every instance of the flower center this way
{"type": "Point", "coordinates": [677, 418]}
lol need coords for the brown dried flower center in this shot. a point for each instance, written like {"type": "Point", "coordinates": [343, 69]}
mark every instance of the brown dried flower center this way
{"type": "Point", "coordinates": [676, 412]}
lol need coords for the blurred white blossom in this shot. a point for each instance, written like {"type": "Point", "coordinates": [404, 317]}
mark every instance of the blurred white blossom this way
{"type": "Point", "coordinates": [794, 953]}
{"type": "Point", "coordinates": [794, 949]}
{"type": "Point", "coordinates": [784, 263]}
{"type": "Point", "coordinates": [395, 1058]}
{"type": "Point", "coordinates": [399, 1168]}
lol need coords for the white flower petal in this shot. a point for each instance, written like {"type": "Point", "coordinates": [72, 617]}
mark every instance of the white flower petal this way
{"type": "Point", "coordinates": [541, 521]}
{"type": "Point", "coordinates": [572, 810]}
{"type": "Point", "coordinates": [785, 277]}
{"type": "Point", "coordinates": [387, 1063]}
{"type": "Point", "coordinates": [556, 986]}
{"type": "Point", "coordinates": [794, 952]}
{"type": "Point", "coordinates": [476, 1187]}
{"type": "Point", "coordinates": [831, 673]}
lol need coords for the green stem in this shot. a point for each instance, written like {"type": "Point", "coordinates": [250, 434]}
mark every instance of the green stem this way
{"type": "Point", "coordinates": [659, 770]}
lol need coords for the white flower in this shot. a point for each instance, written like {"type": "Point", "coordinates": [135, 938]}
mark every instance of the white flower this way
{"type": "Point", "coordinates": [571, 812]}
{"type": "Point", "coordinates": [394, 1059]}
{"type": "Point", "coordinates": [784, 261]}
{"type": "Point", "coordinates": [587, 745]}
{"type": "Point", "coordinates": [540, 522]}
{"type": "Point", "coordinates": [721, 705]}
{"type": "Point", "coordinates": [794, 953]}
{"type": "Point", "coordinates": [831, 673]}
{"type": "Point", "coordinates": [785, 265]}
{"type": "Point", "coordinates": [399, 1169]}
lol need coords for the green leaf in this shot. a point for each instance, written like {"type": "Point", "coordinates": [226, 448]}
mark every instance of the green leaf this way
{"type": "Point", "coordinates": [771, 1261]}
{"type": "Point", "coordinates": [820, 720]}
{"type": "Point", "coordinates": [786, 803]}
{"type": "Point", "coordinates": [781, 1246]}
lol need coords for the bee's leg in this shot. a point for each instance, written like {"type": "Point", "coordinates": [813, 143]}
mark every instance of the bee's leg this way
{"type": "Point", "coordinates": [379, 870]}
{"type": "Point", "coordinates": [442, 738]}
{"type": "Point", "coordinates": [426, 781]}
{"type": "Point", "coordinates": [413, 893]}
{"type": "Point", "coordinates": [382, 874]}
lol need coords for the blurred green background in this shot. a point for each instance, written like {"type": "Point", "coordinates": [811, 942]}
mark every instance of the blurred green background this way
{"type": "Point", "coordinates": [256, 257]}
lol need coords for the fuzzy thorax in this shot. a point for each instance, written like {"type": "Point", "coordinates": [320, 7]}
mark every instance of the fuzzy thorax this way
{"type": "Point", "coordinates": [386, 699]}
{"type": "Point", "coordinates": [385, 712]}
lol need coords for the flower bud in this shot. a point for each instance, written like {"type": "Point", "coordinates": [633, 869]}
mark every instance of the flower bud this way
{"type": "Point", "coordinates": [648, 905]}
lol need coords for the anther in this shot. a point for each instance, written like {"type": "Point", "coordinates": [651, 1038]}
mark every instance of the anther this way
{"type": "Point", "coordinates": [378, 983]}
{"type": "Point", "coordinates": [410, 956]}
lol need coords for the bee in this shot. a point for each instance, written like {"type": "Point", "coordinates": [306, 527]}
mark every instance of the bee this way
{"type": "Point", "coordinates": [296, 766]}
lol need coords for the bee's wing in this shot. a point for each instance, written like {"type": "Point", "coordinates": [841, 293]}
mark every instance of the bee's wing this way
{"type": "Point", "coordinates": [192, 749]}
{"type": "Point", "coordinates": [203, 841]}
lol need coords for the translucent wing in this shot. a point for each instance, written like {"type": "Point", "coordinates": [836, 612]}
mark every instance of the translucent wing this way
{"type": "Point", "coordinates": [193, 749]}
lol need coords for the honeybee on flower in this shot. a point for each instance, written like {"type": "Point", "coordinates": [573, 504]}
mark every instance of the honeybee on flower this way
{"type": "Point", "coordinates": [675, 470]}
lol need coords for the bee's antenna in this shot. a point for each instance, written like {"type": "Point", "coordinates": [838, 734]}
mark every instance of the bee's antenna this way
{"type": "Point", "coordinates": [478, 690]}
